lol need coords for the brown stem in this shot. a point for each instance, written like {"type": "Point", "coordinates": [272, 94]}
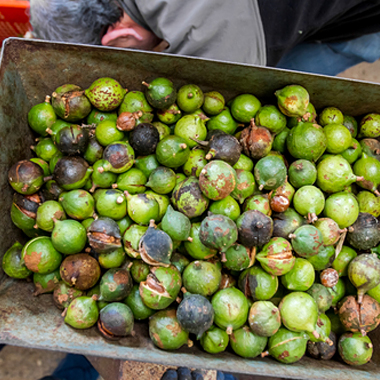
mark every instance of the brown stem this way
{"type": "Point", "coordinates": [54, 94]}
{"type": "Point", "coordinates": [224, 259]}
{"type": "Point", "coordinates": [145, 84]}
{"type": "Point", "coordinates": [47, 98]}
{"type": "Point", "coordinates": [64, 312]}
{"type": "Point", "coordinates": [95, 297]}
{"type": "Point", "coordinates": [190, 239]}
{"type": "Point", "coordinates": [264, 354]}
{"type": "Point", "coordinates": [351, 229]}
{"type": "Point", "coordinates": [100, 170]}
{"type": "Point", "coordinates": [229, 330]}
{"type": "Point", "coordinates": [183, 146]}
{"type": "Point", "coordinates": [119, 200]}
{"type": "Point", "coordinates": [200, 142]}
{"type": "Point", "coordinates": [93, 188]}
{"type": "Point", "coordinates": [35, 227]}
{"type": "Point", "coordinates": [178, 299]}
{"type": "Point", "coordinates": [329, 342]}
{"type": "Point", "coordinates": [358, 179]}
{"type": "Point", "coordinates": [88, 250]}
{"type": "Point", "coordinates": [292, 236]}
{"type": "Point", "coordinates": [49, 131]}
{"type": "Point", "coordinates": [362, 331]}
{"type": "Point", "coordinates": [315, 334]}
{"type": "Point", "coordinates": [376, 192]}
{"type": "Point", "coordinates": [261, 187]}
{"type": "Point", "coordinates": [190, 343]}
{"type": "Point", "coordinates": [360, 298]}
{"type": "Point", "coordinates": [183, 290]}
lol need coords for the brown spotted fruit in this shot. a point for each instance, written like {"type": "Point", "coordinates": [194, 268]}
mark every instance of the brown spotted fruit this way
{"type": "Point", "coordinates": [329, 277]}
{"type": "Point", "coordinates": [82, 313]}
{"type": "Point", "coordinates": [64, 294]}
{"type": "Point", "coordinates": [115, 285]}
{"type": "Point", "coordinates": [355, 349]}
{"type": "Point", "coordinates": [330, 230]}
{"type": "Point", "coordinates": [256, 141]}
{"type": "Point", "coordinates": [281, 197]}
{"type": "Point", "coordinates": [264, 318]}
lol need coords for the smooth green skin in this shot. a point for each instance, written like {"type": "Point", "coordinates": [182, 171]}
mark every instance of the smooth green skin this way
{"type": "Point", "coordinates": [147, 164]}
{"type": "Point", "coordinates": [139, 309]}
{"type": "Point", "coordinates": [180, 177]}
{"type": "Point", "coordinates": [201, 277]}
{"type": "Point", "coordinates": [131, 240]}
{"type": "Point", "coordinates": [168, 115]}
{"type": "Point", "coordinates": [46, 283]}
{"type": "Point", "coordinates": [369, 168]}
{"type": "Point", "coordinates": [258, 202]}
{"type": "Point", "coordinates": [214, 340]}
{"type": "Point", "coordinates": [263, 286]}
{"type": "Point", "coordinates": [301, 277]}
{"type": "Point", "coordinates": [195, 163]}
{"type": "Point", "coordinates": [244, 107]}
{"type": "Point", "coordinates": [176, 224]}
{"type": "Point", "coordinates": [40, 117]}
{"type": "Point", "coordinates": [292, 100]}
{"type": "Point", "coordinates": [96, 290]}
{"type": "Point", "coordinates": [40, 256]}
{"type": "Point", "coordinates": [142, 208]}
{"type": "Point", "coordinates": [96, 116]}
{"type": "Point", "coordinates": [114, 286]}
{"type": "Point", "coordinates": [78, 204]}
{"type": "Point", "coordinates": [369, 202]}
{"type": "Point", "coordinates": [45, 149]}
{"type": "Point", "coordinates": [343, 208]}
{"type": "Point", "coordinates": [247, 344]}
{"type": "Point", "coordinates": [279, 142]}
{"type": "Point", "coordinates": [223, 121]}
{"type": "Point", "coordinates": [21, 220]}
{"type": "Point", "coordinates": [338, 138]}
{"type": "Point", "coordinates": [307, 141]}
{"type": "Point", "coordinates": [217, 180]}
{"type": "Point", "coordinates": [170, 279]}
{"type": "Point", "coordinates": [375, 293]}
{"type": "Point", "coordinates": [69, 236]}
{"type": "Point", "coordinates": [162, 180]}
{"type": "Point", "coordinates": [270, 173]}
{"type": "Point", "coordinates": [271, 118]}
{"type": "Point", "coordinates": [337, 292]}
{"type": "Point", "coordinates": [227, 207]}
{"type": "Point", "coordinates": [302, 173]}
{"type": "Point", "coordinates": [308, 241]}
{"type": "Point", "coordinates": [299, 312]}
{"type": "Point", "coordinates": [364, 272]}
{"type": "Point", "coordinates": [342, 261]}
{"type": "Point", "coordinates": [112, 259]}
{"type": "Point", "coordinates": [139, 270]}
{"type": "Point", "coordinates": [244, 163]}
{"type": "Point", "coordinates": [111, 203]}
{"type": "Point", "coordinates": [370, 126]}
{"type": "Point", "coordinates": [330, 115]}
{"type": "Point", "coordinates": [293, 343]}
{"type": "Point", "coordinates": [245, 185]}
{"type": "Point", "coordinates": [105, 94]}
{"type": "Point", "coordinates": [264, 318]}
{"type": "Point", "coordinates": [237, 257]}
{"type": "Point", "coordinates": [355, 349]}
{"type": "Point", "coordinates": [213, 103]}
{"type": "Point", "coordinates": [12, 264]}
{"type": "Point", "coordinates": [82, 313]}
{"type": "Point", "coordinates": [163, 203]}
{"type": "Point", "coordinates": [189, 127]}
{"type": "Point", "coordinates": [179, 261]}
{"type": "Point", "coordinates": [195, 248]}
{"type": "Point", "coordinates": [46, 212]}
{"type": "Point", "coordinates": [336, 324]}
{"type": "Point", "coordinates": [172, 151]}
{"type": "Point", "coordinates": [133, 181]}
{"type": "Point", "coordinates": [87, 223]}
{"type": "Point", "coordinates": [321, 296]}
{"type": "Point", "coordinates": [136, 101]}
{"type": "Point", "coordinates": [165, 331]}
{"type": "Point", "coordinates": [323, 328]}
{"type": "Point", "coordinates": [124, 223]}
{"type": "Point", "coordinates": [353, 153]}
{"type": "Point", "coordinates": [54, 161]}
{"type": "Point", "coordinates": [163, 129]}
{"type": "Point", "coordinates": [231, 309]}
{"type": "Point", "coordinates": [323, 258]}
{"type": "Point", "coordinates": [351, 124]}
{"type": "Point", "coordinates": [106, 132]}
{"type": "Point", "coordinates": [309, 199]}
{"type": "Point", "coordinates": [190, 97]}
{"type": "Point", "coordinates": [103, 178]}
{"type": "Point", "coordinates": [160, 93]}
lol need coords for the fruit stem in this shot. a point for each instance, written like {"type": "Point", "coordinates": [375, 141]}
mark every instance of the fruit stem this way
{"type": "Point", "coordinates": [183, 290]}
{"type": "Point", "coordinates": [88, 250]}
{"type": "Point", "coordinates": [329, 342]}
{"type": "Point", "coordinates": [48, 178]}
{"type": "Point", "coordinates": [190, 95]}
{"type": "Point", "coordinates": [261, 187]}
{"type": "Point", "coordinates": [93, 187]}
{"type": "Point", "coordinates": [119, 200]}
{"type": "Point", "coordinates": [145, 84]}
{"type": "Point", "coordinates": [376, 192]}
{"type": "Point", "coordinates": [47, 98]}
{"type": "Point", "coordinates": [54, 94]}
{"type": "Point", "coordinates": [152, 223]}
{"type": "Point", "coordinates": [224, 259]}
{"type": "Point", "coordinates": [64, 312]}
{"type": "Point", "coordinates": [126, 193]}
{"type": "Point", "coordinates": [95, 297]}
{"type": "Point", "coordinates": [32, 147]}
{"type": "Point", "coordinates": [200, 142]}
{"type": "Point", "coordinates": [211, 154]}
{"type": "Point", "coordinates": [35, 226]}
{"type": "Point", "coordinates": [358, 179]}
{"type": "Point", "coordinates": [264, 354]}
{"type": "Point", "coordinates": [114, 186]}
{"type": "Point", "coordinates": [178, 299]}
{"type": "Point", "coordinates": [315, 334]}
{"type": "Point", "coordinates": [292, 236]}
{"type": "Point", "coordinates": [363, 332]}
{"type": "Point", "coordinates": [312, 217]}
{"type": "Point", "coordinates": [360, 298]}
{"type": "Point", "coordinates": [183, 146]}
{"type": "Point", "coordinates": [49, 131]}
{"type": "Point", "coordinates": [351, 229]}
{"type": "Point", "coordinates": [190, 239]}
{"type": "Point", "coordinates": [100, 170]}
{"type": "Point", "coordinates": [190, 343]}
{"type": "Point", "coordinates": [229, 330]}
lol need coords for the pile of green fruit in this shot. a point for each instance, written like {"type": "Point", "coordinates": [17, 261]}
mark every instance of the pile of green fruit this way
{"type": "Point", "coordinates": [240, 223]}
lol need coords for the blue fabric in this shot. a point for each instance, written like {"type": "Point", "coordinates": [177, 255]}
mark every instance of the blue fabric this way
{"type": "Point", "coordinates": [75, 367]}
{"type": "Point", "coordinates": [332, 58]}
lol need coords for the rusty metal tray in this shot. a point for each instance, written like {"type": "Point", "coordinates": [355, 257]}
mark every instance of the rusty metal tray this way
{"type": "Point", "coordinates": [31, 69]}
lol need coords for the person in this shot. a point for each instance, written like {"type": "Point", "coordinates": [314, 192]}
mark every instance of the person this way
{"type": "Point", "coordinates": [325, 36]}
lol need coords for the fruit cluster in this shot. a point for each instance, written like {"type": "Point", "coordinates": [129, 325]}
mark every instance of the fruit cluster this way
{"type": "Point", "coordinates": [230, 243]}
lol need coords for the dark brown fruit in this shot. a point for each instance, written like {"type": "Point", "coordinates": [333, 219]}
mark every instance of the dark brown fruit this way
{"type": "Point", "coordinates": [329, 277]}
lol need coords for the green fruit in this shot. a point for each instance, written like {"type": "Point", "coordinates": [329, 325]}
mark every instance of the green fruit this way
{"type": "Point", "coordinates": [165, 331]}
{"type": "Point", "coordinates": [231, 309]}
{"type": "Point", "coordinates": [223, 121]}
{"type": "Point", "coordinates": [371, 147]}
{"type": "Point", "coordinates": [163, 203]}
{"type": "Point", "coordinates": [45, 283]}
{"type": "Point", "coordinates": [330, 115]}
{"type": "Point", "coordinates": [40, 256]}
{"type": "Point", "coordinates": [337, 292]}
{"type": "Point", "coordinates": [321, 296]}
{"type": "Point", "coordinates": [370, 126]}
{"type": "Point", "coordinates": [147, 164]}
{"type": "Point", "coordinates": [54, 160]}
{"type": "Point", "coordinates": [323, 259]}
{"type": "Point", "coordinates": [369, 203]}
{"type": "Point", "coordinates": [213, 103]}
{"type": "Point", "coordinates": [124, 223]}
{"type": "Point", "coordinates": [12, 263]}
{"type": "Point", "coordinates": [246, 343]}
{"type": "Point", "coordinates": [42, 117]}
{"type": "Point", "coordinates": [142, 208]}
{"type": "Point", "coordinates": [329, 230]}
{"type": "Point", "coordinates": [131, 240]}
{"type": "Point", "coordinates": [47, 212]}
{"type": "Point", "coordinates": [68, 236]}
{"type": "Point", "coordinates": [375, 293]}
{"type": "Point", "coordinates": [162, 180]}
{"type": "Point", "coordinates": [163, 129]}
{"type": "Point", "coordinates": [45, 149]}
{"type": "Point", "coordinates": [78, 204]}
{"type": "Point", "coordinates": [351, 124]}
{"type": "Point", "coordinates": [64, 295]}
{"type": "Point", "coordinates": [112, 259]}
{"type": "Point", "coordinates": [82, 313]}
{"type": "Point", "coordinates": [309, 201]}
{"type": "Point", "coordinates": [96, 116]}
{"type": "Point", "coordinates": [168, 115]}
{"type": "Point", "coordinates": [191, 127]}
{"type": "Point", "coordinates": [343, 208]}
{"type": "Point", "coordinates": [323, 328]}
{"type": "Point", "coordinates": [190, 97]}
{"type": "Point", "coordinates": [135, 101]}
{"type": "Point", "coordinates": [293, 100]}
{"type": "Point", "coordinates": [368, 168]}
{"type": "Point", "coordinates": [112, 204]}
{"type": "Point", "coordinates": [133, 181]}
{"type": "Point", "coordinates": [307, 141]}
{"type": "Point", "coordinates": [172, 151]}
{"type": "Point", "coordinates": [270, 173]}
{"type": "Point", "coordinates": [258, 202]}
{"type": "Point", "coordinates": [195, 248]}
{"type": "Point", "coordinates": [307, 241]}
{"type": "Point", "coordinates": [343, 259]}
{"type": "Point", "coordinates": [160, 93]}
{"type": "Point", "coordinates": [120, 157]}
{"type": "Point", "coordinates": [271, 118]}
{"type": "Point", "coordinates": [301, 277]}
{"type": "Point", "coordinates": [299, 312]}
{"type": "Point", "coordinates": [214, 340]}
{"type": "Point", "coordinates": [195, 163]}
{"type": "Point", "coordinates": [302, 173]}
{"type": "Point", "coordinates": [245, 185]}
{"type": "Point", "coordinates": [279, 142]}
{"type": "Point", "coordinates": [105, 94]}
{"type": "Point", "coordinates": [264, 318]}
{"type": "Point", "coordinates": [336, 324]}
{"type": "Point", "coordinates": [26, 177]}
{"type": "Point", "coordinates": [353, 153]}
{"type": "Point", "coordinates": [115, 285]}
{"type": "Point", "coordinates": [338, 138]}
{"type": "Point", "coordinates": [201, 277]}
{"type": "Point", "coordinates": [244, 107]}
{"type": "Point", "coordinates": [238, 258]}
{"type": "Point", "coordinates": [227, 207]}
{"type": "Point", "coordinates": [106, 133]}
{"type": "Point", "coordinates": [179, 261]}
{"type": "Point", "coordinates": [43, 165]}
{"type": "Point", "coordinates": [136, 304]}
{"type": "Point", "coordinates": [176, 224]}
{"type": "Point", "coordinates": [355, 349]}
{"type": "Point", "coordinates": [244, 163]}
{"type": "Point", "coordinates": [139, 270]}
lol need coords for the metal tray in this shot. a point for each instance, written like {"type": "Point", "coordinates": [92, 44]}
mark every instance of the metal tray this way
{"type": "Point", "coordinates": [31, 69]}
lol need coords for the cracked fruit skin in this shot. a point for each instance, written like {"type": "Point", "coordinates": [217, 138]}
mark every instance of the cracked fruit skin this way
{"type": "Point", "coordinates": [64, 295]}
{"type": "Point", "coordinates": [309, 200]}
{"type": "Point", "coordinates": [82, 313]}
{"type": "Point", "coordinates": [231, 309]}
{"type": "Point", "coordinates": [307, 141]}
{"type": "Point", "coordinates": [195, 248]}
{"type": "Point", "coordinates": [247, 344]}
{"type": "Point", "coordinates": [139, 309]}
{"type": "Point", "coordinates": [308, 241]}
{"type": "Point", "coordinates": [214, 340]}
{"type": "Point", "coordinates": [12, 264]}
{"type": "Point", "coordinates": [166, 332]}
{"type": "Point", "coordinates": [244, 107]}
{"type": "Point", "coordinates": [355, 349]}
{"type": "Point", "coordinates": [343, 208]}
{"type": "Point", "coordinates": [292, 100]}
{"type": "Point", "coordinates": [264, 318]}
{"type": "Point", "coordinates": [45, 283]}
{"type": "Point", "coordinates": [301, 277]}
{"type": "Point", "coordinates": [270, 173]}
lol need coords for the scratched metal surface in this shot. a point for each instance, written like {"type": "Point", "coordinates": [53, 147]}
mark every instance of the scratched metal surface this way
{"type": "Point", "coordinates": [30, 70]}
